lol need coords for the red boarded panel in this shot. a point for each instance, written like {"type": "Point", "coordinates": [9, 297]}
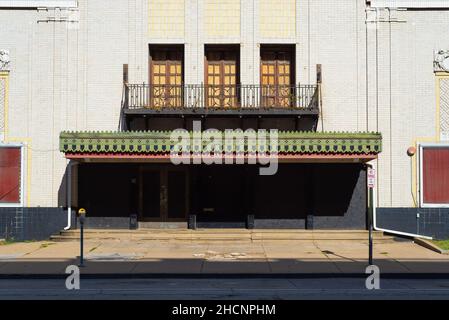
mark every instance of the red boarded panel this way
{"type": "Point", "coordinates": [436, 175]}
{"type": "Point", "coordinates": [10, 175]}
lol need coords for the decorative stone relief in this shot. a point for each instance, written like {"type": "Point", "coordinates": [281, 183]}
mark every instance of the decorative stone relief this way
{"type": "Point", "coordinates": [2, 106]}
{"type": "Point", "coordinates": [444, 109]}
{"type": "Point", "coordinates": [4, 60]}
{"type": "Point", "coordinates": [441, 61]}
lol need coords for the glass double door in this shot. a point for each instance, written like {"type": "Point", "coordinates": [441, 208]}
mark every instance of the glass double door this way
{"type": "Point", "coordinates": [163, 194]}
{"type": "Point", "coordinates": [166, 77]}
{"type": "Point", "coordinates": [222, 78]}
{"type": "Point", "coordinates": [277, 79]}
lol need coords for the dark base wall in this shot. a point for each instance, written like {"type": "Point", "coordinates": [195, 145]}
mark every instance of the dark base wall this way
{"type": "Point", "coordinates": [279, 223]}
{"type": "Point", "coordinates": [107, 223]}
{"type": "Point", "coordinates": [430, 222]}
{"type": "Point", "coordinates": [24, 224]}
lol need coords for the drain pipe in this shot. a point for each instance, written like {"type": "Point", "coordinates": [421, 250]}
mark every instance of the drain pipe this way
{"type": "Point", "coordinates": [374, 204]}
{"type": "Point", "coordinates": [69, 196]}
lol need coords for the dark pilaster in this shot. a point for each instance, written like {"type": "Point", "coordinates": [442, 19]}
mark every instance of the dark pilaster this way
{"type": "Point", "coordinates": [310, 190]}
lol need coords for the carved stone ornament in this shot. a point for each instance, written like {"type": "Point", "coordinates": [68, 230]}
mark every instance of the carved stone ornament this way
{"type": "Point", "coordinates": [4, 60]}
{"type": "Point", "coordinates": [441, 61]}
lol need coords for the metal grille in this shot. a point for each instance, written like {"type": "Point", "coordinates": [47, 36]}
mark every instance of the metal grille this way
{"type": "Point", "coordinates": [2, 105]}
{"type": "Point", "coordinates": [444, 106]}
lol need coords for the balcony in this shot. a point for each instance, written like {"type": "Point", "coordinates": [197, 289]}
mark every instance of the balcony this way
{"type": "Point", "coordinates": [282, 100]}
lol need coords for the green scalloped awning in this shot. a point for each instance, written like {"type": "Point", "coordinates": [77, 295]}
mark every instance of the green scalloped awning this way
{"type": "Point", "coordinates": [159, 143]}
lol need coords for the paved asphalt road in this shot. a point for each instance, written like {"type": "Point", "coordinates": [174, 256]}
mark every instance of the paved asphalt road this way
{"type": "Point", "coordinates": [225, 289]}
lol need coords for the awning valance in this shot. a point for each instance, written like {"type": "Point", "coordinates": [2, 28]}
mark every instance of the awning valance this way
{"type": "Point", "coordinates": [159, 143]}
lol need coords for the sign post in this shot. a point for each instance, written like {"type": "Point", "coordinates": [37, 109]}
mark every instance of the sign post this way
{"type": "Point", "coordinates": [82, 218]}
{"type": "Point", "coordinates": [371, 186]}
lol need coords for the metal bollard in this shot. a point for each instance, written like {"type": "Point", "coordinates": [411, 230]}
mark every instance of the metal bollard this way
{"type": "Point", "coordinates": [82, 219]}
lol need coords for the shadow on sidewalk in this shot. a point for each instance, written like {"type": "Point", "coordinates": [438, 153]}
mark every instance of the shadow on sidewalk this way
{"type": "Point", "coordinates": [154, 267]}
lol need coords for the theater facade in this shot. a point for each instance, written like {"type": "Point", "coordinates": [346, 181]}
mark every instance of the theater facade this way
{"type": "Point", "coordinates": [91, 93]}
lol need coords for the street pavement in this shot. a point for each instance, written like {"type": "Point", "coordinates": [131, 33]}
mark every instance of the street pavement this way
{"type": "Point", "coordinates": [238, 288]}
{"type": "Point", "coordinates": [224, 270]}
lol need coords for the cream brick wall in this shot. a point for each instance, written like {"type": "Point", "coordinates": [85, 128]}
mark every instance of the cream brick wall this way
{"type": "Point", "coordinates": [277, 18]}
{"type": "Point", "coordinates": [222, 18]}
{"type": "Point", "coordinates": [166, 18]}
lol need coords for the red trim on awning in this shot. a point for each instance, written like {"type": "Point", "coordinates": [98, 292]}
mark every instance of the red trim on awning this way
{"type": "Point", "coordinates": [166, 157]}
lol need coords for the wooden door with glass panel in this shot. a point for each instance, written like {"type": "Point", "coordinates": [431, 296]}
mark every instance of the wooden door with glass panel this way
{"type": "Point", "coordinates": [221, 78]}
{"type": "Point", "coordinates": [166, 78]}
{"type": "Point", "coordinates": [163, 194]}
{"type": "Point", "coordinates": [277, 88]}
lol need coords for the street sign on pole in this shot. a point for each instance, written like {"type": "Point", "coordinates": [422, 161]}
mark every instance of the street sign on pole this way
{"type": "Point", "coordinates": [370, 226]}
{"type": "Point", "coordinates": [371, 178]}
{"type": "Point", "coordinates": [82, 219]}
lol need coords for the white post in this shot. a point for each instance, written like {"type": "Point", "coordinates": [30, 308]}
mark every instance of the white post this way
{"type": "Point", "coordinates": [69, 196]}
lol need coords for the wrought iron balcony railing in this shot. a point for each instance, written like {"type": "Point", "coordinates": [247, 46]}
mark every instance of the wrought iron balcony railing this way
{"type": "Point", "coordinates": [158, 97]}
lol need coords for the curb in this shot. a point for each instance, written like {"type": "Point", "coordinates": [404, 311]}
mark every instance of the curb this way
{"type": "Point", "coordinates": [121, 276]}
{"type": "Point", "coordinates": [429, 245]}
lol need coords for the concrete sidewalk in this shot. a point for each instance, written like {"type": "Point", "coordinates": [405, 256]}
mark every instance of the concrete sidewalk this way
{"type": "Point", "coordinates": [126, 256]}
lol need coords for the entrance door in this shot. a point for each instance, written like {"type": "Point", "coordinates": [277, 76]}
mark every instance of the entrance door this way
{"type": "Point", "coordinates": [222, 76]}
{"type": "Point", "coordinates": [224, 195]}
{"type": "Point", "coordinates": [163, 194]}
{"type": "Point", "coordinates": [277, 77]}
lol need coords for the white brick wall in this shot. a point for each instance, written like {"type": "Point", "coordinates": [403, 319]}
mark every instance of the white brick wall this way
{"type": "Point", "coordinates": [332, 39]}
{"type": "Point", "coordinates": [68, 79]}
{"type": "Point", "coordinates": [402, 90]}
{"type": "Point", "coordinates": [249, 48]}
